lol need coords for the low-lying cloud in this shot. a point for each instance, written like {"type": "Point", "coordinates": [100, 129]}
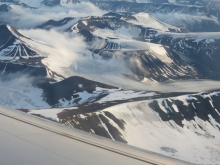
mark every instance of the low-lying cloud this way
{"type": "Point", "coordinates": [190, 21]}
{"type": "Point", "coordinates": [69, 46]}
{"type": "Point", "coordinates": [25, 18]}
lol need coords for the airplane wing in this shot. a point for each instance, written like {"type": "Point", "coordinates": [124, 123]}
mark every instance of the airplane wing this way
{"type": "Point", "coordinates": [31, 140]}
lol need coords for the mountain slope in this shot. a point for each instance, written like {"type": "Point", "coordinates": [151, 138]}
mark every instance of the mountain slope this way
{"type": "Point", "coordinates": [14, 45]}
{"type": "Point", "coordinates": [199, 48]}
{"type": "Point", "coordinates": [51, 3]}
{"type": "Point", "coordinates": [210, 3]}
{"type": "Point", "coordinates": [61, 25]}
{"type": "Point", "coordinates": [161, 125]}
{"type": "Point", "coordinates": [155, 8]}
{"type": "Point", "coordinates": [105, 37]}
{"type": "Point", "coordinates": [147, 20]}
{"type": "Point", "coordinates": [56, 3]}
{"type": "Point", "coordinates": [130, 25]}
{"type": "Point", "coordinates": [125, 75]}
{"type": "Point", "coordinates": [117, 30]}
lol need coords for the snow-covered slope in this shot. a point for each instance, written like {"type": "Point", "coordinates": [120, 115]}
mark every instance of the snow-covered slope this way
{"type": "Point", "coordinates": [184, 127]}
{"type": "Point", "coordinates": [198, 48]}
{"type": "Point", "coordinates": [15, 46]}
{"type": "Point", "coordinates": [19, 82]}
{"type": "Point", "coordinates": [150, 61]}
{"type": "Point", "coordinates": [123, 25]}
{"type": "Point", "coordinates": [107, 35]}
{"type": "Point", "coordinates": [119, 30]}
{"type": "Point", "coordinates": [131, 64]}
{"type": "Point", "coordinates": [51, 3]}
{"type": "Point", "coordinates": [147, 20]}
{"type": "Point", "coordinates": [55, 3]}
{"type": "Point", "coordinates": [61, 25]}
{"type": "Point", "coordinates": [194, 18]}
{"type": "Point", "coordinates": [124, 74]}
{"type": "Point", "coordinates": [154, 8]}
{"type": "Point", "coordinates": [6, 5]}
{"type": "Point", "coordinates": [207, 3]}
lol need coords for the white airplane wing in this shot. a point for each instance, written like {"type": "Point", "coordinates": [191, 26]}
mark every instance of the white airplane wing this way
{"type": "Point", "coordinates": [30, 140]}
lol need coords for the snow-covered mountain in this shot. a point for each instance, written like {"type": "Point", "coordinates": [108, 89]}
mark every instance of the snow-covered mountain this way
{"type": "Point", "coordinates": [114, 27]}
{"type": "Point", "coordinates": [51, 3]}
{"type": "Point", "coordinates": [146, 20]}
{"type": "Point", "coordinates": [198, 48]}
{"type": "Point", "coordinates": [155, 8]}
{"type": "Point", "coordinates": [55, 3]}
{"type": "Point", "coordinates": [194, 18]}
{"type": "Point", "coordinates": [207, 3]}
{"type": "Point", "coordinates": [6, 4]}
{"type": "Point", "coordinates": [61, 25]}
{"type": "Point", "coordinates": [186, 127]}
{"type": "Point", "coordinates": [16, 46]}
{"type": "Point", "coordinates": [145, 73]}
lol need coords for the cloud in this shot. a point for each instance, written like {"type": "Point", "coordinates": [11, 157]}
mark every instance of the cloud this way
{"type": "Point", "coordinates": [24, 18]}
{"type": "Point", "coordinates": [73, 57]}
{"type": "Point", "coordinates": [69, 47]}
{"type": "Point", "coordinates": [32, 3]}
{"type": "Point", "coordinates": [177, 19]}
